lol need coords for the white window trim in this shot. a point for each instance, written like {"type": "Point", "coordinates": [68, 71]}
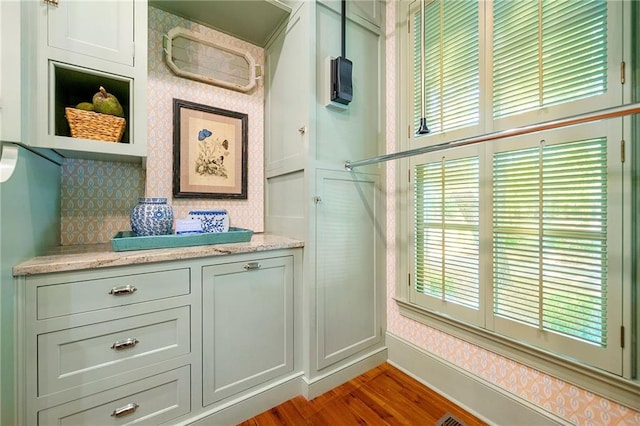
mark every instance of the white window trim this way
{"type": "Point", "coordinates": [621, 389]}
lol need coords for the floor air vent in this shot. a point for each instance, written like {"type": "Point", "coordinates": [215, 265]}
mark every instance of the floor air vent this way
{"type": "Point", "coordinates": [449, 420]}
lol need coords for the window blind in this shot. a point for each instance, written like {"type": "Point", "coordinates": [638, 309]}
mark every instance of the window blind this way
{"type": "Point", "coordinates": [451, 58]}
{"type": "Point", "coordinates": [447, 232]}
{"type": "Point", "coordinates": [549, 238]}
{"type": "Point", "coordinates": [547, 52]}
{"type": "Point", "coordinates": [552, 272]}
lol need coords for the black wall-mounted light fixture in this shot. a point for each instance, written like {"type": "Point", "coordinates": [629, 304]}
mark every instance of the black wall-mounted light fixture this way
{"type": "Point", "coordinates": [342, 68]}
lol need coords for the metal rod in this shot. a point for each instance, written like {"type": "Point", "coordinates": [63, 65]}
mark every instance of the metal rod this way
{"type": "Point", "coordinates": [612, 112]}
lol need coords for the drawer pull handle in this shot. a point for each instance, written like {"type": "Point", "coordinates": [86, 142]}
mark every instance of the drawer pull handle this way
{"type": "Point", "coordinates": [127, 409]}
{"type": "Point", "coordinates": [125, 344]}
{"type": "Point", "coordinates": [125, 289]}
{"type": "Point", "coordinates": [252, 266]}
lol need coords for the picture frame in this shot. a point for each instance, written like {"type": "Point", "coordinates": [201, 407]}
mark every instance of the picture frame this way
{"type": "Point", "coordinates": [209, 151]}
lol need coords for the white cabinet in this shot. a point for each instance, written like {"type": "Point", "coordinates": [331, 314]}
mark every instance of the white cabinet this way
{"type": "Point", "coordinates": [98, 342]}
{"type": "Point", "coordinates": [151, 401]}
{"type": "Point", "coordinates": [73, 356]}
{"type": "Point", "coordinates": [247, 329]}
{"type": "Point", "coordinates": [287, 109]}
{"type": "Point", "coordinates": [159, 343]}
{"type": "Point", "coordinates": [349, 299]}
{"type": "Point", "coordinates": [104, 30]}
{"type": "Point", "coordinates": [308, 194]}
{"type": "Point", "coordinates": [72, 48]}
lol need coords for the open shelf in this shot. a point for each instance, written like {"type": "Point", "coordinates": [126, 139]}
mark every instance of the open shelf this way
{"type": "Point", "coordinates": [73, 85]}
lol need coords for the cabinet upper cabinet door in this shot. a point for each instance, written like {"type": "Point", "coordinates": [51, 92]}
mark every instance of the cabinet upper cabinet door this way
{"type": "Point", "coordinates": [287, 99]}
{"type": "Point", "coordinates": [102, 29]}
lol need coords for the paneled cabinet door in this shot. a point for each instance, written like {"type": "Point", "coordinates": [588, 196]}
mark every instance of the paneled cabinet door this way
{"type": "Point", "coordinates": [348, 293]}
{"type": "Point", "coordinates": [247, 334]}
{"type": "Point", "coordinates": [287, 103]}
{"type": "Point", "coordinates": [101, 29]}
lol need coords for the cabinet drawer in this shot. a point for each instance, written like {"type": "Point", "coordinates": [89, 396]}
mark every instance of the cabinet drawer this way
{"type": "Point", "coordinates": [90, 295]}
{"type": "Point", "coordinates": [154, 400]}
{"type": "Point", "coordinates": [71, 357]}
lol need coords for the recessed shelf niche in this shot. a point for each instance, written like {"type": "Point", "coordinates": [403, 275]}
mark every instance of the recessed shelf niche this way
{"type": "Point", "coordinates": [73, 85]}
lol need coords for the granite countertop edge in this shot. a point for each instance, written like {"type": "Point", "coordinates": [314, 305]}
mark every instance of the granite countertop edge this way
{"type": "Point", "coordinates": [80, 257]}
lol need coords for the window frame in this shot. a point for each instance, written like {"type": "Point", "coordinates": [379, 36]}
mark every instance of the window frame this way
{"type": "Point", "coordinates": [470, 316]}
{"type": "Point", "coordinates": [609, 99]}
{"type": "Point", "coordinates": [611, 129]}
{"type": "Point", "coordinates": [484, 317]}
{"type": "Point", "coordinates": [622, 389]}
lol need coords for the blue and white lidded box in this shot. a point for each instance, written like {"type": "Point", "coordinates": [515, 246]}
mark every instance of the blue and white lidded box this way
{"type": "Point", "coordinates": [212, 220]}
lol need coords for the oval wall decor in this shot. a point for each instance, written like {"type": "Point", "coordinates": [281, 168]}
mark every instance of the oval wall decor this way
{"type": "Point", "coordinates": [191, 55]}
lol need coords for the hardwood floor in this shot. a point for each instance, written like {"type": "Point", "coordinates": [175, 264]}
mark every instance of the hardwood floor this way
{"type": "Point", "coordinates": [382, 396]}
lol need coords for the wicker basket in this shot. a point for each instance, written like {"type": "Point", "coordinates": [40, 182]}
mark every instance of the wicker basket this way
{"type": "Point", "coordinates": [93, 125]}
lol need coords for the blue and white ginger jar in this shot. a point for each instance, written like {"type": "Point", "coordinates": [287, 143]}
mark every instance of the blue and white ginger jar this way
{"type": "Point", "coordinates": [152, 216]}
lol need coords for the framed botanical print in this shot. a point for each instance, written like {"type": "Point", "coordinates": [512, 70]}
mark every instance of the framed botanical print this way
{"type": "Point", "coordinates": [209, 151]}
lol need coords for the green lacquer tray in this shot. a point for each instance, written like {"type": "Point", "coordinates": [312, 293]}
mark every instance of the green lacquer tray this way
{"type": "Point", "coordinates": [127, 240]}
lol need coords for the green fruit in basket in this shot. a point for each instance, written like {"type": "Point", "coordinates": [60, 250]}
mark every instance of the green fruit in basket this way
{"type": "Point", "coordinates": [86, 106]}
{"type": "Point", "coordinates": [106, 103]}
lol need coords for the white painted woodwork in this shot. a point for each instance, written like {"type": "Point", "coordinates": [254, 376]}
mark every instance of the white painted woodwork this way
{"type": "Point", "coordinates": [369, 10]}
{"type": "Point", "coordinates": [354, 133]}
{"type": "Point", "coordinates": [72, 297]}
{"type": "Point", "coordinates": [247, 324]}
{"type": "Point", "coordinates": [287, 110]}
{"type": "Point", "coordinates": [477, 395]}
{"type": "Point", "coordinates": [208, 332]}
{"type": "Point", "coordinates": [253, 21]}
{"type": "Point", "coordinates": [293, 4]}
{"type": "Point", "coordinates": [160, 398]}
{"type": "Point", "coordinates": [71, 357]}
{"type": "Point", "coordinates": [284, 204]}
{"type": "Point", "coordinates": [29, 225]}
{"type": "Point", "coordinates": [343, 274]}
{"type": "Point", "coordinates": [10, 100]}
{"type": "Point", "coordinates": [68, 52]}
{"type": "Point", "coordinates": [364, 12]}
{"type": "Point", "coordinates": [347, 296]}
{"type": "Point", "coordinates": [68, 323]}
{"type": "Point", "coordinates": [103, 30]}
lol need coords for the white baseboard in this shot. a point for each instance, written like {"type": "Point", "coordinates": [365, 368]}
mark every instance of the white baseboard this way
{"type": "Point", "coordinates": [479, 397]}
{"type": "Point", "coordinates": [249, 405]}
{"type": "Point", "coordinates": [342, 374]}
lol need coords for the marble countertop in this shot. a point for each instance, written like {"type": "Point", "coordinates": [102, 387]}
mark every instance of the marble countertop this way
{"type": "Point", "coordinates": [73, 258]}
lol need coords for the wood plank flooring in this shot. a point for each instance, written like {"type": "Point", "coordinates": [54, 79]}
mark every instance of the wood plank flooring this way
{"type": "Point", "coordinates": [382, 396]}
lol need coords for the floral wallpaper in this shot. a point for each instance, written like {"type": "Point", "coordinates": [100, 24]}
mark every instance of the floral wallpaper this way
{"type": "Point", "coordinates": [575, 405]}
{"type": "Point", "coordinates": [97, 197]}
